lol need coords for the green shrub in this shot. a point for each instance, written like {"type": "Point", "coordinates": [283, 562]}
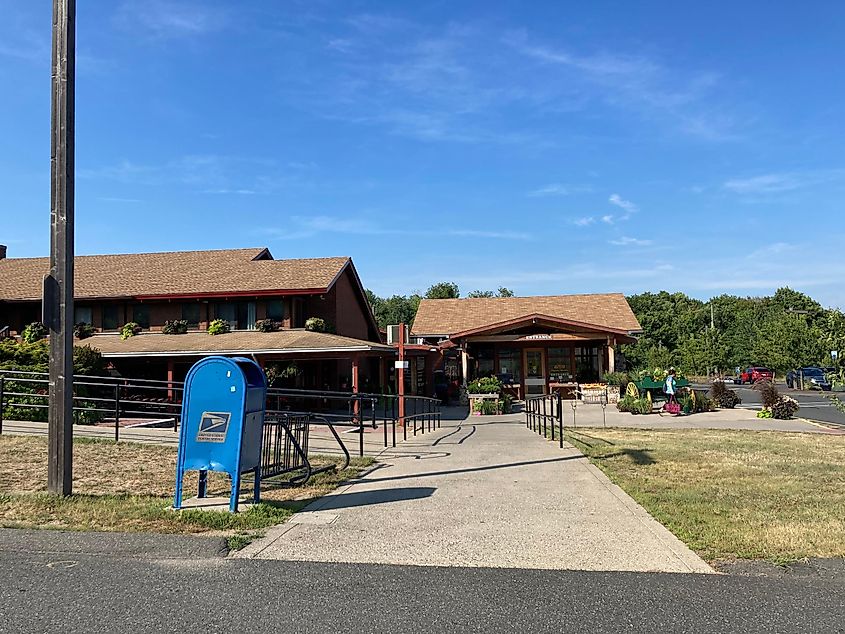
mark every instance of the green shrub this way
{"type": "Point", "coordinates": [266, 325]}
{"type": "Point", "coordinates": [316, 324]}
{"type": "Point", "coordinates": [34, 332]}
{"type": "Point", "coordinates": [87, 361]}
{"type": "Point", "coordinates": [724, 397]}
{"type": "Point", "coordinates": [486, 407]}
{"type": "Point", "coordinates": [768, 394]}
{"type": "Point", "coordinates": [626, 403]}
{"type": "Point", "coordinates": [485, 385]}
{"type": "Point", "coordinates": [785, 408]}
{"type": "Point", "coordinates": [130, 330]}
{"type": "Point", "coordinates": [83, 330]}
{"type": "Point", "coordinates": [616, 378]}
{"type": "Point", "coordinates": [641, 406]}
{"type": "Point", "coordinates": [175, 327]}
{"type": "Point", "coordinates": [219, 327]}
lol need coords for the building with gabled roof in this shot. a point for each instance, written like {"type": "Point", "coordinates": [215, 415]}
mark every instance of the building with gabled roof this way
{"type": "Point", "coordinates": [240, 286]}
{"type": "Point", "coordinates": [535, 345]}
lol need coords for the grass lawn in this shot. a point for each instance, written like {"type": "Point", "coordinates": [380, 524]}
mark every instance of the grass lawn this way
{"type": "Point", "coordinates": [129, 487]}
{"type": "Point", "coordinates": [732, 494]}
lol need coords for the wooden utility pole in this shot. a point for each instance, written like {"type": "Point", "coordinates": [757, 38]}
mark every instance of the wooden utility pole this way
{"type": "Point", "coordinates": [58, 286]}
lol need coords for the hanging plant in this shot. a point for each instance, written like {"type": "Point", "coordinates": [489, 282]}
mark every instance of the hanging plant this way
{"type": "Point", "coordinates": [219, 327]}
{"type": "Point", "coordinates": [175, 327]}
{"type": "Point", "coordinates": [34, 332]}
{"type": "Point", "coordinates": [266, 325]}
{"type": "Point", "coordinates": [130, 330]}
{"type": "Point", "coordinates": [83, 330]}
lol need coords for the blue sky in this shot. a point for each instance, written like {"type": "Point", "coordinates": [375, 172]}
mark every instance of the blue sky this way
{"type": "Point", "coordinates": [550, 147]}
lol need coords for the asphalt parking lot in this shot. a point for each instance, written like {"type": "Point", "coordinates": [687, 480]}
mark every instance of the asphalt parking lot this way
{"type": "Point", "coordinates": [815, 405]}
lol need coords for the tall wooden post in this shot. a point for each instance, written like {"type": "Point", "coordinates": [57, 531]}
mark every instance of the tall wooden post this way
{"type": "Point", "coordinates": [356, 380]}
{"type": "Point", "coordinates": [58, 296]}
{"type": "Point", "coordinates": [400, 375]}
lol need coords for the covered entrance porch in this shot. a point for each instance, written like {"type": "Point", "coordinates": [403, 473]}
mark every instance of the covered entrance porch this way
{"type": "Point", "coordinates": [539, 354]}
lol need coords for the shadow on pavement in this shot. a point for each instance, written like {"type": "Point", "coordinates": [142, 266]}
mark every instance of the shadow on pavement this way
{"type": "Point", "coordinates": [380, 496]}
{"type": "Point", "coordinates": [470, 469]}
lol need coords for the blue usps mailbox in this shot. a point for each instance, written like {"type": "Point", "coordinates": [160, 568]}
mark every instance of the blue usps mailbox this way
{"type": "Point", "coordinates": [222, 418]}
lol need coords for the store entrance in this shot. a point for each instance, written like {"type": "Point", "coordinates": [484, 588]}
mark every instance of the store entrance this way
{"type": "Point", "coordinates": [535, 371]}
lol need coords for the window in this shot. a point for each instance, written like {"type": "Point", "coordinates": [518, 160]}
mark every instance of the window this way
{"type": "Point", "coordinates": [276, 310]}
{"type": "Point", "coordinates": [191, 314]}
{"type": "Point", "coordinates": [560, 365]}
{"type": "Point", "coordinates": [228, 313]}
{"type": "Point", "coordinates": [240, 315]}
{"type": "Point", "coordinates": [141, 315]}
{"type": "Point", "coordinates": [83, 315]}
{"type": "Point", "coordinates": [246, 315]}
{"type": "Point", "coordinates": [510, 364]}
{"type": "Point", "coordinates": [297, 314]}
{"type": "Point", "coordinates": [111, 317]}
{"type": "Point", "coordinates": [587, 364]}
{"type": "Point", "coordinates": [484, 358]}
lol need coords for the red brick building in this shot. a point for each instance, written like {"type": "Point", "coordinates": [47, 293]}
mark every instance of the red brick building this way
{"type": "Point", "coordinates": [240, 286]}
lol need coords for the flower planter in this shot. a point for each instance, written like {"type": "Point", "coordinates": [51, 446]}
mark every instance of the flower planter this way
{"type": "Point", "coordinates": [613, 392]}
{"type": "Point", "coordinates": [476, 400]}
{"type": "Point", "coordinates": [594, 393]}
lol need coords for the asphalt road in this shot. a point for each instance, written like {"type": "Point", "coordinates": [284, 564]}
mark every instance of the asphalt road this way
{"type": "Point", "coordinates": [814, 406]}
{"type": "Point", "coordinates": [59, 582]}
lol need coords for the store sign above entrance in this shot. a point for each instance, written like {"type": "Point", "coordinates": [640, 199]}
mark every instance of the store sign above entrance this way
{"type": "Point", "coordinates": [535, 337]}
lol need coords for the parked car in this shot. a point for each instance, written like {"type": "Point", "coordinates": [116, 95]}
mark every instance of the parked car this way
{"type": "Point", "coordinates": [754, 374]}
{"type": "Point", "coordinates": [814, 379]}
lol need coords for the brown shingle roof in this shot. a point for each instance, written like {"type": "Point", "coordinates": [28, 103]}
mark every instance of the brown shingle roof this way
{"type": "Point", "coordinates": [449, 316]}
{"type": "Point", "coordinates": [173, 273]}
{"type": "Point", "coordinates": [236, 342]}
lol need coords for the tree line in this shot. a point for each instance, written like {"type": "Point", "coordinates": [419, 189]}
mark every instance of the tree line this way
{"type": "Point", "coordinates": [783, 331]}
{"type": "Point", "coordinates": [403, 308]}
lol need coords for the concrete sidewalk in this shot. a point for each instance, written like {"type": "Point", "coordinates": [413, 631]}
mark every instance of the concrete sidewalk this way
{"type": "Point", "coordinates": [481, 492]}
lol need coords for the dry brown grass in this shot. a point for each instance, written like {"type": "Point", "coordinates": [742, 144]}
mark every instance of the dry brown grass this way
{"type": "Point", "coordinates": [128, 486]}
{"type": "Point", "coordinates": [732, 494]}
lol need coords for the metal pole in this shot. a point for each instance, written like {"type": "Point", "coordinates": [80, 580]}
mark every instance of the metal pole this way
{"type": "Point", "coordinates": [58, 301]}
{"type": "Point", "coordinates": [116, 413]}
{"type": "Point", "coordinates": [560, 417]}
{"type": "Point", "coordinates": [2, 386]}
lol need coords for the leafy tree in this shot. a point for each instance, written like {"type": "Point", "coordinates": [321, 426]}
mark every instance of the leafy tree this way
{"type": "Point", "coordinates": [443, 290]}
{"type": "Point", "coordinates": [502, 292]}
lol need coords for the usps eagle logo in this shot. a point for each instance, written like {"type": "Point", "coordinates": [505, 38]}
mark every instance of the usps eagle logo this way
{"type": "Point", "coordinates": [213, 427]}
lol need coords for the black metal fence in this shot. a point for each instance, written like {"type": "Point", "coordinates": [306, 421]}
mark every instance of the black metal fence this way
{"type": "Point", "coordinates": [544, 413]}
{"type": "Point", "coordinates": [121, 403]}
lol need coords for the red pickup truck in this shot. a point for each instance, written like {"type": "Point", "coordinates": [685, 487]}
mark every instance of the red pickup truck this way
{"type": "Point", "coordinates": [755, 374]}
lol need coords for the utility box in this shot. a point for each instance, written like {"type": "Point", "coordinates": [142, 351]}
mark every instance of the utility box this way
{"type": "Point", "coordinates": [222, 420]}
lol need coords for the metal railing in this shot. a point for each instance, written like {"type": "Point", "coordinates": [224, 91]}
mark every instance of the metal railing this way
{"type": "Point", "coordinates": [120, 403]}
{"type": "Point", "coordinates": [544, 413]}
{"type": "Point", "coordinates": [285, 447]}
{"type": "Point", "coordinates": [96, 399]}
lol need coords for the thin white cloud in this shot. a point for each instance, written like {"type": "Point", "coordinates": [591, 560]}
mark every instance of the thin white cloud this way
{"type": "Point", "coordinates": [243, 192]}
{"type": "Point", "coordinates": [627, 205]}
{"type": "Point", "coordinates": [642, 83]}
{"type": "Point", "coordinates": [170, 18]}
{"type": "Point", "coordinates": [310, 226]}
{"type": "Point", "coordinates": [627, 241]}
{"type": "Point", "coordinates": [114, 199]}
{"type": "Point", "coordinates": [776, 183]}
{"type": "Point", "coordinates": [559, 189]}
{"type": "Point", "coordinates": [607, 219]}
{"type": "Point", "coordinates": [584, 222]}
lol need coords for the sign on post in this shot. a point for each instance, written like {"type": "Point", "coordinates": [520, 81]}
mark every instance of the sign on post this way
{"type": "Point", "coordinates": [400, 365]}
